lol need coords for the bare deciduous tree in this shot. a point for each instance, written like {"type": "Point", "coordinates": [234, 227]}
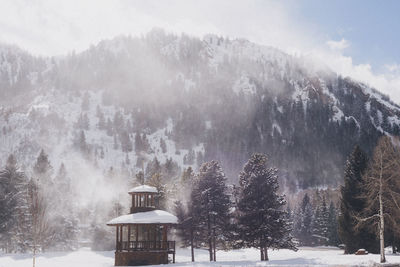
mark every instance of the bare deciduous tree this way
{"type": "Point", "coordinates": [39, 222]}
{"type": "Point", "coordinates": [382, 190]}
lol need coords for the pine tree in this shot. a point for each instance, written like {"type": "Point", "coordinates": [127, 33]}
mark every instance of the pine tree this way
{"type": "Point", "coordinates": [333, 235]}
{"type": "Point", "coordinates": [86, 101]}
{"type": "Point", "coordinates": [163, 145]}
{"type": "Point", "coordinates": [64, 225]}
{"type": "Point", "coordinates": [42, 170]}
{"type": "Point", "coordinates": [118, 122]}
{"type": "Point", "coordinates": [12, 208]}
{"type": "Point", "coordinates": [102, 121]}
{"type": "Point", "coordinates": [262, 219]}
{"type": "Point", "coordinates": [304, 222]}
{"type": "Point", "coordinates": [140, 177]}
{"type": "Point", "coordinates": [115, 144]}
{"type": "Point", "coordinates": [126, 143]}
{"type": "Point", "coordinates": [320, 224]}
{"type": "Point", "coordinates": [183, 228]}
{"type": "Point", "coordinates": [352, 203]}
{"type": "Point", "coordinates": [83, 147]}
{"type": "Point", "coordinates": [153, 167]}
{"type": "Point", "coordinates": [109, 128]}
{"type": "Point", "coordinates": [184, 210]}
{"type": "Point", "coordinates": [156, 180]}
{"type": "Point", "coordinates": [138, 143]}
{"type": "Point", "coordinates": [211, 206]}
{"type": "Point", "coordinates": [83, 122]}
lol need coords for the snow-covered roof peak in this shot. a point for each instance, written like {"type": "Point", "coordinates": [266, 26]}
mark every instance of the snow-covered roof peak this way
{"type": "Point", "coordinates": [147, 217]}
{"type": "Point", "coordinates": [143, 189]}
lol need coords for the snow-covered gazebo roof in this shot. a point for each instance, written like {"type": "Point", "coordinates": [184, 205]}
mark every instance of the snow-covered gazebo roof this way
{"type": "Point", "coordinates": [143, 189]}
{"type": "Point", "coordinates": [148, 217]}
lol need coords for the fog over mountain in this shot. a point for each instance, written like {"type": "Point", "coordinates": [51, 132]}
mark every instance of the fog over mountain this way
{"type": "Point", "coordinates": [115, 107]}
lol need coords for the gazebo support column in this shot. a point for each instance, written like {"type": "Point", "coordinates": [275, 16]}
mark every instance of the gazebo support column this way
{"type": "Point", "coordinates": [120, 237]}
{"type": "Point", "coordinates": [116, 239]}
{"type": "Point", "coordinates": [129, 237]}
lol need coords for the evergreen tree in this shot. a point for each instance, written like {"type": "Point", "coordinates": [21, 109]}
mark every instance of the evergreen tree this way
{"type": "Point", "coordinates": [304, 222]}
{"type": "Point", "coordinates": [170, 169]}
{"type": "Point", "coordinates": [83, 147]}
{"type": "Point", "coordinates": [126, 143]}
{"type": "Point", "coordinates": [262, 219]}
{"type": "Point", "coordinates": [320, 224]}
{"type": "Point", "coordinates": [184, 210]}
{"type": "Point", "coordinates": [140, 177]}
{"type": "Point", "coordinates": [351, 203]}
{"type": "Point", "coordinates": [13, 215]}
{"type": "Point", "coordinates": [42, 170]}
{"type": "Point", "coordinates": [109, 128]}
{"type": "Point", "coordinates": [115, 144]}
{"type": "Point", "coordinates": [153, 167]}
{"type": "Point", "coordinates": [333, 236]}
{"type": "Point", "coordinates": [83, 122]}
{"type": "Point", "coordinates": [156, 180]}
{"type": "Point", "coordinates": [189, 158]}
{"type": "Point", "coordinates": [102, 121]}
{"type": "Point", "coordinates": [199, 158]}
{"type": "Point", "coordinates": [183, 226]}
{"type": "Point", "coordinates": [163, 145]}
{"type": "Point", "coordinates": [86, 101]}
{"type": "Point", "coordinates": [138, 143]}
{"type": "Point", "coordinates": [118, 122]}
{"type": "Point", "coordinates": [211, 204]}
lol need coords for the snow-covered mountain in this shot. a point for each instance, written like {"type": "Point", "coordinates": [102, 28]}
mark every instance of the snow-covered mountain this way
{"type": "Point", "coordinates": [121, 103]}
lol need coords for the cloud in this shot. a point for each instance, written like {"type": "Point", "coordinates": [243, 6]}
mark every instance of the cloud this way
{"type": "Point", "coordinates": [387, 82]}
{"type": "Point", "coordinates": [338, 45]}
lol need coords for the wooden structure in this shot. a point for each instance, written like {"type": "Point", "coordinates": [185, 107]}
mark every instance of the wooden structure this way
{"type": "Point", "coordinates": [142, 236]}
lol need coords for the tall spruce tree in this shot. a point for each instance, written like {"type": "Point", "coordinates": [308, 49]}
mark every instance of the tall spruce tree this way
{"type": "Point", "coordinates": [304, 222]}
{"type": "Point", "coordinates": [263, 222]}
{"type": "Point", "coordinates": [351, 203]}
{"type": "Point", "coordinates": [211, 206]}
{"type": "Point", "coordinates": [42, 170]}
{"type": "Point", "coordinates": [14, 226]}
{"type": "Point", "coordinates": [321, 223]}
{"type": "Point", "coordinates": [333, 236]}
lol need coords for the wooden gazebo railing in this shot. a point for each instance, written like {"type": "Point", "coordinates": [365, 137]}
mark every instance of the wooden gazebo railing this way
{"type": "Point", "coordinates": [168, 246]}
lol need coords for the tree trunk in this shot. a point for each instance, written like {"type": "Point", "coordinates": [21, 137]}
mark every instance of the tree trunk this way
{"type": "Point", "coordinates": [191, 243]}
{"type": "Point", "coordinates": [266, 254]}
{"type": "Point", "coordinates": [34, 255]}
{"type": "Point", "coordinates": [262, 253]}
{"type": "Point", "coordinates": [214, 245]}
{"type": "Point", "coordinates": [381, 222]}
{"type": "Point", "coordinates": [210, 247]}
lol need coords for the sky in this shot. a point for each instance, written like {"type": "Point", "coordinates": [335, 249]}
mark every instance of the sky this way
{"type": "Point", "coordinates": [353, 37]}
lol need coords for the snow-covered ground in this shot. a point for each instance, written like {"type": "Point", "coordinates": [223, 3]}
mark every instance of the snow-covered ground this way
{"type": "Point", "coordinates": [244, 257]}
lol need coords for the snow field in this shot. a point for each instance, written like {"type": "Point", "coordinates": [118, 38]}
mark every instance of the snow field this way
{"type": "Point", "coordinates": [306, 256]}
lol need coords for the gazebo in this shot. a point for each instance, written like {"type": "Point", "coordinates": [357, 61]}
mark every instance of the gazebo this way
{"type": "Point", "coordinates": [142, 235]}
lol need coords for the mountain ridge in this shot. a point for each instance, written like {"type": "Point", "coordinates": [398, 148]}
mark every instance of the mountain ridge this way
{"type": "Point", "coordinates": [223, 98]}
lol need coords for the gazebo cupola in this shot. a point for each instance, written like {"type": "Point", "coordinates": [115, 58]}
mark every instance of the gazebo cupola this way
{"type": "Point", "coordinates": [142, 236]}
{"type": "Point", "coordinates": [143, 198]}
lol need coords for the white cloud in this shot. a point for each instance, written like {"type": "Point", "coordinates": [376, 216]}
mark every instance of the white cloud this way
{"type": "Point", "coordinates": [338, 45]}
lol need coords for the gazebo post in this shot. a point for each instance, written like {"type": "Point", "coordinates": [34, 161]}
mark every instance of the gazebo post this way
{"type": "Point", "coordinates": [120, 237]}
{"type": "Point", "coordinates": [137, 233]}
{"type": "Point", "coordinates": [165, 243]}
{"type": "Point", "coordinates": [116, 239]}
{"type": "Point", "coordinates": [129, 236]}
